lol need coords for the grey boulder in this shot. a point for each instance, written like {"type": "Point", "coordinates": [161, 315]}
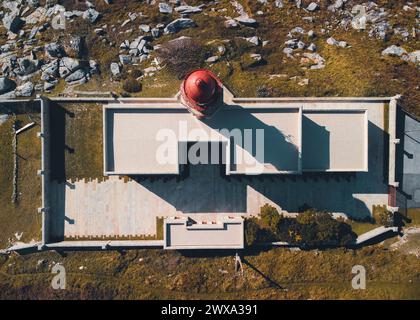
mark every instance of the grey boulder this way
{"type": "Point", "coordinates": [394, 51]}
{"type": "Point", "coordinates": [91, 15]}
{"type": "Point", "coordinates": [312, 6]}
{"type": "Point", "coordinates": [68, 66]}
{"type": "Point", "coordinates": [54, 50]}
{"type": "Point", "coordinates": [115, 69]}
{"type": "Point", "coordinates": [247, 21]}
{"type": "Point", "coordinates": [76, 76]}
{"type": "Point", "coordinates": [6, 85]}
{"type": "Point", "coordinates": [165, 8]}
{"type": "Point", "coordinates": [179, 24]}
{"type": "Point", "coordinates": [25, 90]}
{"type": "Point", "coordinates": [12, 22]}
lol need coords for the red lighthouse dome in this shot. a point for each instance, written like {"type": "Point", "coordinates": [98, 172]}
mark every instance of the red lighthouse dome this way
{"type": "Point", "coordinates": [200, 91]}
{"type": "Point", "coordinates": [200, 86]}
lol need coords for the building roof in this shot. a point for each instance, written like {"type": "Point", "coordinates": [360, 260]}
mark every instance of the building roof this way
{"type": "Point", "coordinates": [298, 136]}
{"type": "Point", "coordinates": [226, 233]}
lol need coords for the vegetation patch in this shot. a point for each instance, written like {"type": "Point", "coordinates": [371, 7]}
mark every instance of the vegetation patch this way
{"type": "Point", "coordinates": [182, 55]}
{"type": "Point", "coordinates": [310, 228]}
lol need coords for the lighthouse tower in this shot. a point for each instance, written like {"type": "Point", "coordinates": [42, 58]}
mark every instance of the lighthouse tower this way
{"type": "Point", "coordinates": [201, 92]}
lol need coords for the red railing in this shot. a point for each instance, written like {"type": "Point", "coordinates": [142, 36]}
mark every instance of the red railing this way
{"type": "Point", "coordinates": [392, 196]}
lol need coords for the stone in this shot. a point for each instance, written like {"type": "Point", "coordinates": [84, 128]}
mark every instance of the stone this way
{"type": "Point", "coordinates": [91, 15]}
{"type": "Point", "coordinates": [231, 23]}
{"type": "Point", "coordinates": [33, 32]}
{"type": "Point", "coordinates": [90, 5]}
{"type": "Point", "coordinates": [38, 16]}
{"type": "Point", "coordinates": [254, 40]}
{"type": "Point", "coordinates": [332, 42]}
{"type": "Point", "coordinates": [312, 47]}
{"type": "Point", "coordinates": [303, 82]}
{"type": "Point", "coordinates": [76, 76]}
{"type": "Point", "coordinates": [403, 32]}
{"type": "Point", "coordinates": [54, 50]}
{"type": "Point", "coordinates": [212, 59]}
{"type": "Point", "coordinates": [246, 21]}
{"type": "Point", "coordinates": [125, 23]}
{"type": "Point", "coordinates": [68, 66]}
{"type": "Point", "coordinates": [6, 85]}
{"type": "Point", "coordinates": [288, 51]}
{"type": "Point", "coordinates": [125, 59]}
{"type": "Point", "coordinates": [313, 6]}
{"type": "Point", "coordinates": [74, 46]}
{"type": "Point", "coordinates": [93, 67]}
{"type": "Point", "coordinates": [319, 62]}
{"type": "Point", "coordinates": [133, 16]}
{"type": "Point", "coordinates": [296, 30]}
{"type": "Point", "coordinates": [295, 44]}
{"type": "Point", "coordinates": [99, 31]}
{"type": "Point", "coordinates": [342, 44]}
{"type": "Point", "coordinates": [256, 56]}
{"type": "Point", "coordinates": [188, 9]}
{"type": "Point", "coordinates": [51, 68]}
{"type": "Point", "coordinates": [144, 28]}
{"type": "Point", "coordinates": [115, 69]}
{"type": "Point", "coordinates": [278, 4]}
{"type": "Point", "coordinates": [134, 52]}
{"type": "Point", "coordinates": [155, 32]}
{"type": "Point", "coordinates": [33, 3]}
{"type": "Point", "coordinates": [394, 51]}
{"type": "Point", "coordinates": [27, 66]}
{"type": "Point", "coordinates": [48, 86]}
{"type": "Point", "coordinates": [414, 57]}
{"type": "Point", "coordinates": [179, 24]}
{"type": "Point", "coordinates": [125, 45]}
{"type": "Point", "coordinates": [12, 22]}
{"type": "Point", "coordinates": [338, 4]}
{"type": "Point", "coordinates": [165, 8]}
{"type": "Point", "coordinates": [25, 90]}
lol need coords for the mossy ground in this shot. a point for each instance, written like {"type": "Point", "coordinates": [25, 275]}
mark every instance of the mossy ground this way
{"type": "Point", "coordinates": [359, 70]}
{"type": "Point", "coordinates": [23, 215]}
{"type": "Point", "coordinates": [157, 274]}
{"type": "Point", "coordinates": [77, 141]}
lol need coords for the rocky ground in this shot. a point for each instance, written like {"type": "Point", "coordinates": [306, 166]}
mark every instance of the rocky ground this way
{"type": "Point", "coordinates": [257, 47]}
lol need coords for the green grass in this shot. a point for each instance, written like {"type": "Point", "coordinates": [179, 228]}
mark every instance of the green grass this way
{"type": "Point", "coordinates": [21, 216]}
{"type": "Point", "coordinates": [79, 126]}
{"type": "Point", "coordinates": [361, 227]}
{"type": "Point", "coordinates": [414, 215]}
{"type": "Point", "coordinates": [158, 274]}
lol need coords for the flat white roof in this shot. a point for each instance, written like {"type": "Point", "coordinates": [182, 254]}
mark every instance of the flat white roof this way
{"type": "Point", "coordinates": [335, 140]}
{"type": "Point", "coordinates": [152, 139]}
{"type": "Point", "coordinates": [135, 138]}
{"type": "Point", "coordinates": [224, 234]}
